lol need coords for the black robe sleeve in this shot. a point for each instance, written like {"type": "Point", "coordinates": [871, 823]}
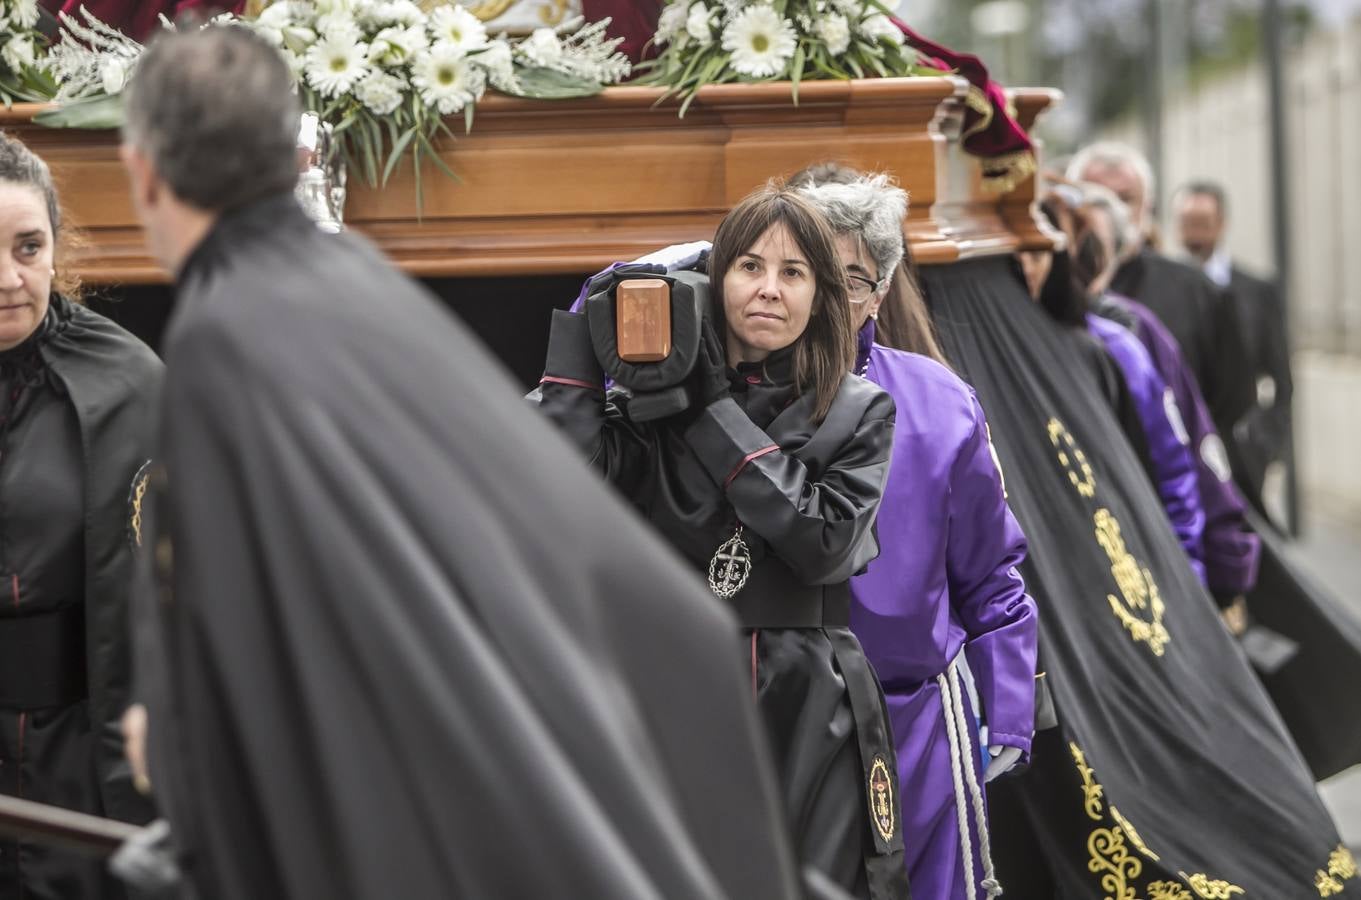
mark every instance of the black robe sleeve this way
{"type": "Point", "coordinates": [821, 527]}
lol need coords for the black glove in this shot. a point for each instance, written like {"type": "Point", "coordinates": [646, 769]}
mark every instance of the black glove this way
{"type": "Point", "coordinates": [711, 369]}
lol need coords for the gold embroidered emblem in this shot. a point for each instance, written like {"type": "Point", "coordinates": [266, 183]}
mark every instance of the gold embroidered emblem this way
{"type": "Point", "coordinates": [1133, 835]}
{"type": "Point", "coordinates": [1136, 584]}
{"type": "Point", "coordinates": [1112, 860]}
{"type": "Point", "coordinates": [1073, 460]}
{"type": "Point", "coordinates": [1168, 890]}
{"type": "Point", "coordinates": [135, 497]}
{"type": "Point", "coordinates": [1341, 863]}
{"type": "Point", "coordinates": [882, 811]}
{"type": "Point", "coordinates": [1208, 889]}
{"type": "Point", "coordinates": [1091, 791]}
{"type": "Point", "coordinates": [1326, 884]}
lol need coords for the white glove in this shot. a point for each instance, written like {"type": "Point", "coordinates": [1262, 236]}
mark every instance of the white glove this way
{"type": "Point", "coordinates": [677, 256]}
{"type": "Point", "coordinates": [1003, 759]}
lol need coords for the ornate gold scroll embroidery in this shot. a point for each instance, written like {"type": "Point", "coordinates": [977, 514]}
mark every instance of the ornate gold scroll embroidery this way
{"type": "Point", "coordinates": [1133, 835]}
{"type": "Point", "coordinates": [1208, 889]}
{"type": "Point", "coordinates": [1106, 846]}
{"type": "Point", "coordinates": [1168, 890]}
{"type": "Point", "coordinates": [1073, 460]}
{"type": "Point", "coordinates": [553, 13]}
{"type": "Point", "coordinates": [1341, 866]}
{"type": "Point", "coordinates": [1091, 791]}
{"type": "Point", "coordinates": [1136, 585]}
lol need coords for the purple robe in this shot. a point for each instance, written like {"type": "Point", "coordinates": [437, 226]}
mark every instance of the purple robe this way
{"type": "Point", "coordinates": [946, 578]}
{"type": "Point", "coordinates": [1231, 549]}
{"type": "Point", "coordinates": [1168, 442]}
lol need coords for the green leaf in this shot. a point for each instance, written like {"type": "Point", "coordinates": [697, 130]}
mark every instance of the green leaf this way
{"type": "Point", "coordinates": [427, 147]}
{"type": "Point", "coordinates": [398, 148]}
{"type": "Point", "coordinates": [537, 83]}
{"type": "Point", "coordinates": [90, 113]}
{"type": "Point", "coordinates": [796, 72]}
{"type": "Point", "coordinates": [468, 117]}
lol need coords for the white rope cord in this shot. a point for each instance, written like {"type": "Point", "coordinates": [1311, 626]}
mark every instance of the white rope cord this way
{"type": "Point", "coordinates": [961, 808]}
{"type": "Point", "coordinates": [990, 882]}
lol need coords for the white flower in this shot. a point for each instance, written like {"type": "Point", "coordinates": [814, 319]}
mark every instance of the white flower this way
{"type": "Point", "coordinates": [854, 8]}
{"type": "Point", "coordinates": [496, 61]}
{"type": "Point", "coordinates": [401, 12]}
{"type": "Point", "coordinates": [18, 52]}
{"type": "Point", "coordinates": [446, 79]}
{"type": "Point", "coordinates": [394, 46]}
{"type": "Point", "coordinates": [697, 24]}
{"type": "Point", "coordinates": [298, 38]}
{"type": "Point", "coordinates": [671, 23]}
{"type": "Point", "coordinates": [339, 25]}
{"type": "Point", "coordinates": [459, 28]}
{"type": "Point", "coordinates": [835, 32]}
{"type": "Point", "coordinates": [335, 63]}
{"type": "Point", "coordinates": [760, 42]}
{"type": "Point", "coordinates": [380, 92]}
{"type": "Point", "coordinates": [24, 13]}
{"type": "Point", "coordinates": [114, 74]}
{"type": "Point", "coordinates": [297, 63]}
{"type": "Point", "coordinates": [879, 26]}
{"type": "Point", "coordinates": [542, 48]}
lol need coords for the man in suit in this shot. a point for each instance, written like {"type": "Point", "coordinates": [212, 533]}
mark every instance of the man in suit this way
{"type": "Point", "coordinates": [1263, 435]}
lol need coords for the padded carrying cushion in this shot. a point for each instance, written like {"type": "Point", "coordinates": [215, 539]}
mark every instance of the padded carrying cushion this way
{"type": "Point", "coordinates": [689, 303]}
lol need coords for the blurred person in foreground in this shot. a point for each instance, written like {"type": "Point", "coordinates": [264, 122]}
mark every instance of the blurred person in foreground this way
{"type": "Point", "coordinates": [1263, 435]}
{"type": "Point", "coordinates": [402, 643]}
{"type": "Point", "coordinates": [1197, 313]}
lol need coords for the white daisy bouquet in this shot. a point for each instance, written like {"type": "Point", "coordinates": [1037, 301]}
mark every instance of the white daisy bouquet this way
{"type": "Point", "coordinates": [716, 41]}
{"type": "Point", "coordinates": [22, 75]}
{"type": "Point", "coordinates": [382, 74]}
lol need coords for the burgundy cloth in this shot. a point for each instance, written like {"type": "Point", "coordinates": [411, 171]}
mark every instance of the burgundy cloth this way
{"type": "Point", "coordinates": [1002, 138]}
{"type": "Point", "coordinates": [633, 20]}
{"type": "Point", "coordinates": [138, 19]}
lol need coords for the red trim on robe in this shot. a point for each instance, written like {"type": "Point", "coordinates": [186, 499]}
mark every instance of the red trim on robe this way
{"type": "Point", "coordinates": [746, 459]}
{"type": "Point", "coordinates": [571, 382]}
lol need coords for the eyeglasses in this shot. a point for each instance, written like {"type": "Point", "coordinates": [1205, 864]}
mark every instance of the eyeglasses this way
{"type": "Point", "coordinates": [862, 288]}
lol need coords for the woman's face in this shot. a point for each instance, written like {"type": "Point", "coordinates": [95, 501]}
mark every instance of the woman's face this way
{"type": "Point", "coordinates": [26, 269]}
{"type": "Point", "coordinates": [861, 277]}
{"type": "Point", "coordinates": [767, 296]}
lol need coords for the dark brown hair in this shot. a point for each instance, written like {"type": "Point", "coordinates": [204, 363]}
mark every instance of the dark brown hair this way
{"type": "Point", "coordinates": [825, 352]}
{"type": "Point", "coordinates": [20, 165]}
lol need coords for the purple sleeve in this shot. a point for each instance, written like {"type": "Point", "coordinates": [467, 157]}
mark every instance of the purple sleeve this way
{"type": "Point", "coordinates": [1231, 549]}
{"type": "Point", "coordinates": [1168, 443]}
{"type": "Point", "coordinates": [984, 548]}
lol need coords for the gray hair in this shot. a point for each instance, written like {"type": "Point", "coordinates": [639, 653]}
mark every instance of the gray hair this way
{"type": "Point", "coordinates": [1102, 198]}
{"type": "Point", "coordinates": [215, 112]}
{"type": "Point", "coordinates": [1113, 154]}
{"type": "Point", "coordinates": [873, 208]}
{"type": "Point", "coordinates": [20, 165]}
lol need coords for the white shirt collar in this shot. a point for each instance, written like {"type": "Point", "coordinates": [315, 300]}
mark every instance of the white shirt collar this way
{"type": "Point", "coordinates": [1219, 267]}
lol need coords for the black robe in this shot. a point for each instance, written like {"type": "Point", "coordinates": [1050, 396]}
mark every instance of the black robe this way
{"type": "Point", "coordinates": [407, 645]}
{"type": "Point", "coordinates": [1169, 769]}
{"type": "Point", "coordinates": [807, 495]}
{"type": "Point", "coordinates": [76, 398]}
{"type": "Point", "coordinates": [1205, 323]}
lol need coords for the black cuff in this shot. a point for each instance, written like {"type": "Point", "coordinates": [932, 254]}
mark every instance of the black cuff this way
{"type": "Point", "coordinates": [571, 357]}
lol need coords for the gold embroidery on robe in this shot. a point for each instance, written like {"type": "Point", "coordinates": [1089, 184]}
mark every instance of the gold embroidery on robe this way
{"type": "Point", "coordinates": [1091, 791]}
{"type": "Point", "coordinates": [1208, 889]}
{"type": "Point", "coordinates": [1326, 884]}
{"type": "Point", "coordinates": [1168, 890]}
{"type": "Point", "coordinates": [1136, 584]}
{"type": "Point", "coordinates": [1112, 860]}
{"type": "Point", "coordinates": [1341, 863]}
{"type": "Point", "coordinates": [1073, 460]}
{"type": "Point", "coordinates": [1133, 835]}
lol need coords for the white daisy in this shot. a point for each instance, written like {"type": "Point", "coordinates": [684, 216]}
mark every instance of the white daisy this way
{"type": "Point", "coordinates": [339, 24]}
{"type": "Point", "coordinates": [18, 52]}
{"type": "Point", "coordinates": [879, 26]}
{"type": "Point", "coordinates": [298, 39]}
{"type": "Point", "coordinates": [446, 79]}
{"type": "Point", "coordinates": [760, 42]}
{"type": "Point", "coordinates": [380, 92]}
{"type": "Point", "coordinates": [395, 46]}
{"type": "Point", "coordinates": [671, 23]}
{"type": "Point", "coordinates": [697, 24]}
{"type": "Point", "coordinates": [835, 32]}
{"type": "Point", "coordinates": [402, 12]}
{"type": "Point", "coordinates": [459, 28]}
{"type": "Point", "coordinates": [335, 63]}
{"type": "Point", "coordinates": [496, 61]}
{"type": "Point", "coordinates": [24, 13]}
{"type": "Point", "coordinates": [542, 48]}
